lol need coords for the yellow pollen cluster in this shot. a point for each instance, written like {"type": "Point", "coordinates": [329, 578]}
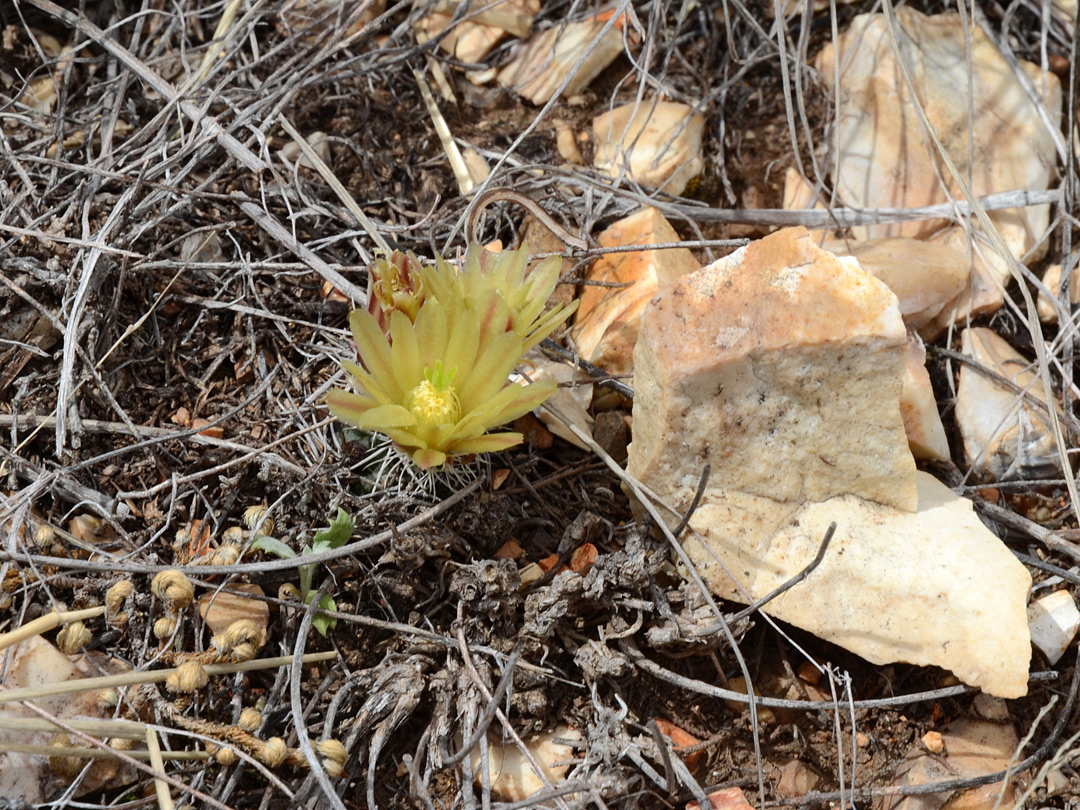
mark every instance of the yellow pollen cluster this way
{"type": "Point", "coordinates": [432, 406]}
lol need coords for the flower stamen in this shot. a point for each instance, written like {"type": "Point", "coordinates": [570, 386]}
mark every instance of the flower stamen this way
{"type": "Point", "coordinates": [434, 401]}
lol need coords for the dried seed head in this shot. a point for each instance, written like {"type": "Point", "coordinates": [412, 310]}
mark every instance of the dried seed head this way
{"type": "Point", "coordinates": [115, 596]}
{"type": "Point", "coordinates": [233, 534]}
{"type": "Point", "coordinates": [225, 756]}
{"type": "Point", "coordinates": [252, 516]}
{"type": "Point", "coordinates": [65, 767]}
{"type": "Point", "coordinates": [44, 535]}
{"type": "Point", "coordinates": [332, 750]}
{"type": "Point", "coordinates": [333, 769]}
{"type": "Point", "coordinates": [274, 752]}
{"type": "Point", "coordinates": [228, 554]}
{"type": "Point", "coordinates": [173, 587]}
{"type": "Point", "coordinates": [164, 628]}
{"type": "Point", "coordinates": [182, 539]}
{"type": "Point", "coordinates": [187, 678]}
{"type": "Point", "coordinates": [243, 652]}
{"type": "Point", "coordinates": [250, 719]}
{"type": "Point", "coordinates": [73, 638]}
{"type": "Point", "coordinates": [288, 592]}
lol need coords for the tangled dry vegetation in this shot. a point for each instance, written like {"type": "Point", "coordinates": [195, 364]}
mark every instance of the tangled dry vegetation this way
{"type": "Point", "coordinates": [175, 288]}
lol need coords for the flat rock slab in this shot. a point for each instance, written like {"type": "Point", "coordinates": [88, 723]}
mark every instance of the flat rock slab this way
{"type": "Point", "coordinates": [781, 366]}
{"type": "Point", "coordinates": [931, 588]}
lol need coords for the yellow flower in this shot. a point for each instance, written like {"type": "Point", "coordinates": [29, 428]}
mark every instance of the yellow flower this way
{"type": "Point", "coordinates": [437, 347]}
{"type": "Point", "coordinates": [436, 386]}
{"type": "Point", "coordinates": [503, 273]}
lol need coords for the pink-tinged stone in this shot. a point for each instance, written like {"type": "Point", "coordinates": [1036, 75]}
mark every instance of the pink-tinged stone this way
{"type": "Point", "coordinates": [608, 320]}
{"type": "Point", "coordinates": [918, 407]}
{"type": "Point", "coordinates": [781, 366]}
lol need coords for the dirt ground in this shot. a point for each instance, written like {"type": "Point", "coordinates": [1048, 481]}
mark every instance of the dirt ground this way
{"type": "Point", "coordinates": [162, 261]}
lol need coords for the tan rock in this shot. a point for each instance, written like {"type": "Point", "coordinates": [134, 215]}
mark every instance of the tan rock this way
{"type": "Point", "coordinates": [972, 748]}
{"type": "Point", "coordinates": [1048, 311]}
{"type": "Point", "coordinates": [797, 779]}
{"type": "Point", "coordinates": [513, 778]}
{"type": "Point", "coordinates": [885, 160]}
{"type": "Point", "coordinates": [781, 366]}
{"type": "Point", "coordinates": [472, 39]}
{"type": "Point", "coordinates": [538, 69]}
{"type": "Point", "coordinates": [918, 407]}
{"type": "Point", "coordinates": [35, 663]}
{"type": "Point", "coordinates": [923, 276]}
{"type": "Point", "coordinates": [571, 398]}
{"type": "Point", "coordinates": [608, 320]}
{"type": "Point", "coordinates": [1005, 435]}
{"type": "Point", "coordinates": [656, 143]}
{"type": "Point", "coordinates": [780, 351]}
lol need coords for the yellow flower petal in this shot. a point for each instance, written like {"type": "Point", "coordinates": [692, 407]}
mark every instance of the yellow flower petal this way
{"type": "Point", "coordinates": [488, 443]}
{"type": "Point", "coordinates": [405, 352]}
{"type": "Point", "coordinates": [374, 351]}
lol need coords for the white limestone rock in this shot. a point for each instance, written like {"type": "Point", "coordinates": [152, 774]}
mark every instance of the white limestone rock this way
{"type": "Point", "coordinates": [1005, 437]}
{"type": "Point", "coordinates": [656, 143]}
{"type": "Point", "coordinates": [877, 593]}
{"type": "Point", "coordinates": [607, 321]}
{"type": "Point", "coordinates": [1053, 620]}
{"type": "Point", "coordinates": [781, 366]}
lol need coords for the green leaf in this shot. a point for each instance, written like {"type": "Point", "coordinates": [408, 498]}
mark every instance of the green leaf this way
{"type": "Point", "coordinates": [322, 622]}
{"type": "Point", "coordinates": [271, 545]}
{"type": "Point", "coordinates": [336, 535]}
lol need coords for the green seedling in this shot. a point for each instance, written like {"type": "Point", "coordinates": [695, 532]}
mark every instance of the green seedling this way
{"type": "Point", "coordinates": [334, 536]}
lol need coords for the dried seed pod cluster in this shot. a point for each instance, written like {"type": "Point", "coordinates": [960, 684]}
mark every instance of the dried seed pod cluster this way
{"type": "Point", "coordinates": [189, 677]}
{"type": "Point", "coordinates": [114, 602]}
{"type": "Point", "coordinates": [256, 517]}
{"type": "Point", "coordinates": [73, 638]}
{"type": "Point", "coordinates": [173, 588]}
